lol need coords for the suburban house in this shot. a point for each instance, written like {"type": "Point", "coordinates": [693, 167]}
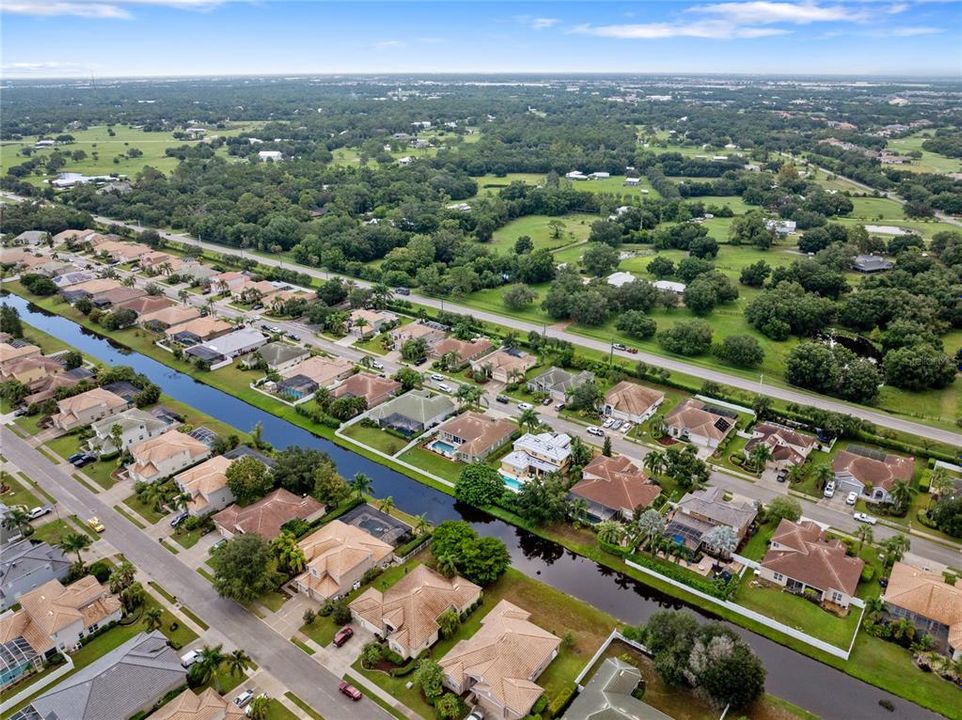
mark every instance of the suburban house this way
{"type": "Point", "coordinates": [135, 426]}
{"type": "Point", "coordinates": [372, 388]}
{"type": "Point", "coordinates": [322, 370]}
{"type": "Point", "coordinates": [699, 424]}
{"type": "Point", "coordinates": [609, 695]}
{"type": "Point", "coordinates": [145, 305]}
{"type": "Point", "coordinates": [500, 662]}
{"type": "Point", "coordinates": [54, 618]}
{"type": "Point", "coordinates": [207, 486]}
{"type": "Point", "coordinates": [281, 356]}
{"type": "Point", "coordinates": [46, 388]}
{"type": "Point", "coordinates": [536, 455]}
{"type": "Point", "coordinates": [407, 613]}
{"type": "Point", "coordinates": [25, 565]}
{"type": "Point", "coordinates": [128, 680]}
{"type": "Point", "coordinates": [413, 413]}
{"type": "Point", "coordinates": [617, 279]}
{"type": "Point", "coordinates": [160, 262]}
{"type": "Point", "coordinates": [115, 296]}
{"type": "Point", "coordinates": [31, 237]}
{"type": "Point", "coordinates": [208, 705]}
{"type": "Point", "coordinates": [632, 402]}
{"type": "Point", "coordinates": [871, 264]}
{"type": "Point", "coordinates": [933, 605]}
{"type": "Point", "coordinates": [234, 344]}
{"type": "Point", "coordinates": [164, 455]}
{"type": "Point", "coordinates": [9, 354]}
{"type": "Point", "coordinates": [462, 351]}
{"type": "Point", "coordinates": [613, 488]}
{"type": "Point", "coordinates": [87, 407]}
{"type": "Point", "coordinates": [472, 437]}
{"type": "Point", "coordinates": [88, 289]}
{"type": "Point", "coordinates": [124, 252]}
{"type": "Point", "coordinates": [803, 561]}
{"type": "Point", "coordinates": [337, 556]}
{"type": "Point", "coordinates": [787, 446]}
{"type": "Point", "coordinates": [32, 369]}
{"type": "Point", "coordinates": [266, 516]}
{"type": "Point", "coordinates": [871, 473]}
{"type": "Point", "coordinates": [431, 333]}
{"type": "Point", "coordinates": [198, 330]}
{"type": "Point", "coordinates": [228, 282]}
{"type": "Point", "coordinates": [159, 320]}
{"type": "Point", "coordinates": [252, 290]}
{"type": "Point", "coordinates": [698, 512]}
{"type": "Point", "coordinates": [364, 322]}
{"type": "Point", "coordinates": [72, 236]}
{"type": "Point", "coordinates": [557, 383]}
{"type": "Point", "coordinates": [506, 365]}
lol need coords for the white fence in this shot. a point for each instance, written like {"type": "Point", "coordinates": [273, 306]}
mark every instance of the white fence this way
{"type": "Point", "coordinates": [37, 686]}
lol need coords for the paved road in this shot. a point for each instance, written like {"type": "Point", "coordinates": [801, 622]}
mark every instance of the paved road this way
{"type": "Point", "coordinates": [308, 680]}
{"type": "Point", "coordinates": [719, 376]}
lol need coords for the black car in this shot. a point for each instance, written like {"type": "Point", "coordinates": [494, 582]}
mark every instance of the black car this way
{"type": "Point", "coordinates": [402, 291]}
{"type": "Point", "coordinates": [76, 457]}
{"type": "Point", "coordinates": [502, 399]}
{"type": "Point", "coordinates": [83, 459]}
{"type": "Point", "coordinates": [178, 518]}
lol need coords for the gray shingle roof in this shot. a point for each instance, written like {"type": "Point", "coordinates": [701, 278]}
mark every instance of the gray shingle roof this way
{"type": "Point", "coordinates": [24, 559]}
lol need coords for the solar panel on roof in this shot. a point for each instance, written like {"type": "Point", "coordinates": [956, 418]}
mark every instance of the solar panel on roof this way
{"type": "Point", "coordinates": [722, 424]}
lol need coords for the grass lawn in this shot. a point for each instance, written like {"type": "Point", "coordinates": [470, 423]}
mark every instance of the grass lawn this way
{"type": "Point", "coordinates": [188, 538]}
{"type": "Point", "coordinates": [433, 463]}
{"type": "Point", "coordinates": [53, 532]}
{"type": "Point", "coordinates": [493, 184]}
{"type": "Point", "coordinates": [276, 711]}
{"type": "Point", "coordinates": [30, 423]}
{"type": "Point", "coordinates": [372, 345]}
{"type": "Point", "coordinates": [550, 609]}
{"type": "Point", "coordinates": [799, 613]}
{"type": "Point", "coordinates": [375, 438]}
{"type": "Point", "coordinates": [615, 185]}
{"type": "Point", "coordinates": [538, 228]}
{"type": "Point", "coordinates": [180, 637]}
{"type": "Point", "coordinates": [145, 511]}
{"type": "Point", "coordinates": [18, 494]}
{"type": "Point", "coordinates": [930, 162]}
{"type": "Point", "coordinates": [273, 600]}
{"type": "Point", "coordinates": [305, 708]}
{"type": "Point", "coordinates": [100, 472]}
{"type": "Point", "coordinates": [758, 543]}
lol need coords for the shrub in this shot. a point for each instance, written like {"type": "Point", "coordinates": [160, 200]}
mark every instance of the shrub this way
{"type": "Point", "coordinates": [868, 574]}
{"type": "Point", "coordinates": [326, 609]}
{"type": "Point", "coordinates": [561, 700]}
{"type": "Point", "coordinates": [341, 613]}
{"type": "Point", "coordinates": [100, 570]}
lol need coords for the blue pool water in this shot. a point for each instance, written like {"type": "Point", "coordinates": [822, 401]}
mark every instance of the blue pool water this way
{"type": "Point", "coordinates": [511, 483]}
{"type": "Point", "coordinates": [439, 446]}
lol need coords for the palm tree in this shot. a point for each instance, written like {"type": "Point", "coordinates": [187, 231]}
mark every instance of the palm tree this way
{"type": "Point", "coordinates": [902, 492]}
{"type": "Point", "coordinates": [650, 525]}
{"type": "Point", "coordinates": [469, 396]}
{"type": "Point", "coordinates": [209, 660]}
{"type": "Point", "coordinates": [529, 419]}
{"type": "Point", "coordinates": [237, 662]}
{"type": "Point", "coordinates": [288, 553]}
{"type": "Point", "coordinates": [153, 618]}
{"type": "Point", "coordinates": [420, 524]}
{"type": "Point", "coordinates": [117, 437]}
{"type": "Point", "coordinates": [874, 607]}
{"type": "Point", "coordinates": [797, 474]}
{"type": "Point", "coordinates": [656, 462]}
{"type": "Point", "coordinates": [386, 505]}
{"type": "Point", "coordinates": [447, 566]}
{"type": "Point", "coordinates": [76, 542]}
{"type": "Point", "coordinates": [132, 597]}
{"type": "Point", "coordinates": [940, 482]}
{"type": "Point", "coordinates": [361, 484]}
{"type": "Point", "coordinates": [122, 577]}
{"type": "Point", "coordinates": [759, 455]}
{"type": "Point", "coordinates": [259, 709]}
{"type": "Point", "coordinates": [823, 475]}
{"type": "Point", "coordinates": [17, 518]}
{"type": "Point", "coordinates": [150, 494]}
{"type": "Point", "coordinates": [894, 548]}
{"type": "Point", "coordinates": [611, 532]}
{"type": "Point", "coordinates": [182, 295]}
{"type": "Point", "coordinates": [864, 534]}
{"type": "Point", "coordinates": [257, 433]}
{"type": "Point", "coordinates": [903, 629]}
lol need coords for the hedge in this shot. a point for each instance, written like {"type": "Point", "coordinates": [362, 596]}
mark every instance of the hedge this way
{"type": "Point", "coordinates": [561, 700]}
{"type": "Point", "coordinates": [413, 544]}
{"type": "Point", "coordinates": [687, 577]}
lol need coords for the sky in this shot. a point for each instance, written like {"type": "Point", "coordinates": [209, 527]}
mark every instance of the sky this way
{"type": "Point", "coordinates": [124, 38]}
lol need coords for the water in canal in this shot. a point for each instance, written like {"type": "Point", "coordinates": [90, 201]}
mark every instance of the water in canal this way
{"type": "Point", "coordinates": [819, 688]}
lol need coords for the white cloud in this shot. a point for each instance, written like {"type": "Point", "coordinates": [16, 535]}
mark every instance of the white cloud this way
{"type": "Point", "coordinates": [387, 44]}
{"type": "Point", "coordinates": [763, 12]}
{"type": "Point", "coordinates": [35, 67]}
{"type": "Point", "coordinates": [542, 23]}
{"type": "Point", "coordinates": [914, 31]}
{"type": "Point", "coordinates": [708, 29]}
{"type": "Point", "coordinates": [111, 9]}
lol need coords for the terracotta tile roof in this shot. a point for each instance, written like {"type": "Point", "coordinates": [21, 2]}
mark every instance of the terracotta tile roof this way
{"type": "Point", "coordinates": [371, 387]}
{"type": "Point", "coordinates": [616, 483]}
{"type": "Point", "coordinates": [785, 444]}
{"type": "Point", "coordinates": [503, 656]}
{"type": "Point", "coordinates": [800, 551]}
{"type": "Point", "coordinates": [508, 361]}
{"type": "Point", "coordinates": [632, 398]}
{"type": "Point", "coordinates": [208, 705]}
{"type": "Point", "coordinates": [171, 316]}
{"type": "Point", "coordinates": [412, 606]}
{"type": "Point", "coordinates": [371, 317]}
{"type": "Point", "coordinates": [413, 331]}
{"type": "Point", "coordinates": [119, 295]}
{"type": "Point", "coordinates": [202, 327]}
{"type": "Point", "coordinates": [202, 480]}
{"type": "Point", "coordinates": [146, 304]}
{"type": "Point", "coordinates": [266, 516]}
{"type": "Point", "coordinates": [28, 366]}
{"type": "Point", "coordinates": [322, 370]}
{"type": "Point", "coordinates": [927, 594]}
{"type": "Point", "coordinates": [52, 607]}
{"type": "Point", "coordinates": [692, 415]}
{"type": "Point", "coordinates": [463, 349]}
{"type": "Point", "coordinates": [870, 472]}
{"type": "Point", "coordinates": [335, 550]}
{"type": "Point", "coordinates": [93, 287]}
{"type": "Point", "coordinates": [150, 453]}
{"type": "Point", "coordinates": [479, 432]}
{"type": "Point", "coordinates": [9, 353]}
{"type": "Point", "coordinates": [90, 399]}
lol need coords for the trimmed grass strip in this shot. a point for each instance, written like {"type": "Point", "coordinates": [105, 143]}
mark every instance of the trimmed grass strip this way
{"type": "Point", "coordinates": [302, 646]}
{"type": "Point", "coordinates": [130, 517]}
{"type": "Point", "coordinates": [303, 705]}
{"type": "Point", "coordinates": [186, 610]}
{"type": "Point", "coordinates": [376, 699]}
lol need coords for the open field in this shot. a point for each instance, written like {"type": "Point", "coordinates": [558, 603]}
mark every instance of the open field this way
{"type": "Point", "coordinates": [615, 185]}
{"type": "Point", "coordinates": [492, 184]}
{"type": "Point", "coordinates": [930, 162]}
{"type": "Point", "coordinates": [576, 228]}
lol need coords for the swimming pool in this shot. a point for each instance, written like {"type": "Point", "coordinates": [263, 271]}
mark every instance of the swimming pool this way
{"type": "Point", "coordinates": [442, 448]}
{"type": "Point", "coordinates": [511, 483]}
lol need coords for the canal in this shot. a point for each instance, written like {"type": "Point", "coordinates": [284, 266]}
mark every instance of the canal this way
{"type": "Point", "coordinates": [808, 683]}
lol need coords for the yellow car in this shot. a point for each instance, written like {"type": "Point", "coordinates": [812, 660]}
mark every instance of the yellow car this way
{"type": "Point", "coordinates": [95, 524]}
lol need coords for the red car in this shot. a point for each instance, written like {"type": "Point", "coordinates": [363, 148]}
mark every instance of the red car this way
{"type": "Point", "coordinates": [343, 635]}
{"type": "Point", "coordinates": [349, 690]}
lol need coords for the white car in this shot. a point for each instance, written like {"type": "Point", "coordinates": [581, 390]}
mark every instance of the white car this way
{"type": "Point", "coordinates": [437, 378]}
{"type": "Point", "coordinates": [593, 430]}
{"type": "Point", "coordinates": [865, 518]}
{"type": "Point", "coordinates": [444, 387]}
{"type": "Point", "coordinates": [524, 406]}
{"type": "Point", "coordinates": [852, 498]}
{"type": "Point", "coordinates": [243, 700]}
{"type": "Point", "coordinates": [607, 423]}
{"type": "Point", "coordinates": [626, 427]}
{"type": "Point", "coordinates": [829, 489]}
{"type": "Point", "coordinates": [189, 658]}
{"type": "Point", "coordinates": [39, 511]}
{"type": "Point", "coordinates": [377, 365]}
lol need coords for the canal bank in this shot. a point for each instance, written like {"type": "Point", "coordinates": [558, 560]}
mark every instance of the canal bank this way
{"type": "Point", "coordinates": [825, 690]}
